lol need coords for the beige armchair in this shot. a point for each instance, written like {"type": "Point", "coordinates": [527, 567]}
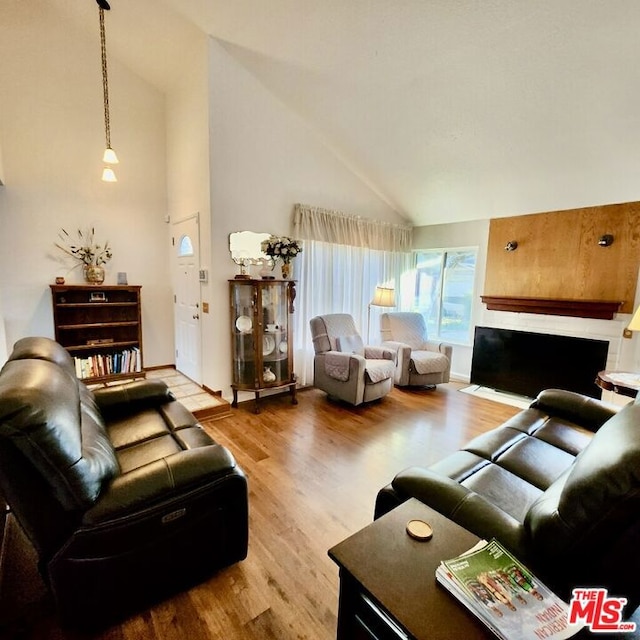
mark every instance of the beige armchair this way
{"type": "Point", "coordinates": [419, 361]}
{"type": "Point", "coordinates": [343, 367]}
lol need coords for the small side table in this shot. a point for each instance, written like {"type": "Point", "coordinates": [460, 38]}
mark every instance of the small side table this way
{"type": "Point", "coordinates": [622, 382]}
{"type": "Point", "coordinates": [388, 586]}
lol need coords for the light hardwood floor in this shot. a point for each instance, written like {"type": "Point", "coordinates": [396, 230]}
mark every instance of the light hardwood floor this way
{"type": "Point", "coordinates": [314, 470]}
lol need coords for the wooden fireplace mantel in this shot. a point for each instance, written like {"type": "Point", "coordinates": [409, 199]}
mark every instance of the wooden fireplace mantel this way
{"type": "Point", "coordinates": [600, 309]}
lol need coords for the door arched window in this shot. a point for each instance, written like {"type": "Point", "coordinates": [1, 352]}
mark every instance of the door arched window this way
{"type": "Point", "coordinates": [185, 247]}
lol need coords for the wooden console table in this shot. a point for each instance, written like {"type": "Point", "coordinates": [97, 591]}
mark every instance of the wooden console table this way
{"type": "Point", "coordinates": [388, 588]}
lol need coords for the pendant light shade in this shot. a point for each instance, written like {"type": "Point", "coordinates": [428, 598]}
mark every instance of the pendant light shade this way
{"type": "Point", "coordinates": [108, 175]}
{"type": "Point", "coordinates": [109, 157]}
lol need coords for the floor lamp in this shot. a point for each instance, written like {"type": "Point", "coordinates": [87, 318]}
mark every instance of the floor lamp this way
{"type": "Point", "coordinates": [383, 297]}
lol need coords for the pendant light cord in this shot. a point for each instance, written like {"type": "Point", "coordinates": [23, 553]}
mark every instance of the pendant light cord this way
{"type": "Point", "coordinates": [105, 80]}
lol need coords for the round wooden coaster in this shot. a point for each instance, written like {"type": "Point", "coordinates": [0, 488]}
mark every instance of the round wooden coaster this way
{"type": "Point", "coordinates": [419, 529]}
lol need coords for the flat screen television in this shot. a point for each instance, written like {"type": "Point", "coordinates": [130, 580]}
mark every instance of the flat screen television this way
{"type": "Point", "coordinates": [525, 363]}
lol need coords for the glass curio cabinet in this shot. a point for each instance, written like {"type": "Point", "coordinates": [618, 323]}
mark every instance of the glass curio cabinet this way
{"type": "Point", "coordinates": [261, 339]}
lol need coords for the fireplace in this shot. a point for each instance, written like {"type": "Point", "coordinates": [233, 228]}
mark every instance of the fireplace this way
{"type": "Point", "coordinates": [525, 363]}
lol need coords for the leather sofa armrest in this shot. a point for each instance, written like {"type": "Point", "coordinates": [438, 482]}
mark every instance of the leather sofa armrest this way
{"type": "Point", "coordinates": [160, 480]}
{"type": "Point", "coordinates": [461, 505]}
{"type": "Point", "coordinates": [132, 397]}
{"type": "Point", "coordinates": [582, 410]}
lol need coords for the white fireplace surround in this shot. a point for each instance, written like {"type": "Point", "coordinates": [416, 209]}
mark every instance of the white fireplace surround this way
{"type": "Point", "coordinates": [623, 352]}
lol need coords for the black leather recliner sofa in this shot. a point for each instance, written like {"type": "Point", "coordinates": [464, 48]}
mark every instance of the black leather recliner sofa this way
{"type": "Point", "coordinates": [558, 484]}
{"type": "Point", "coordinates": [123, 495]}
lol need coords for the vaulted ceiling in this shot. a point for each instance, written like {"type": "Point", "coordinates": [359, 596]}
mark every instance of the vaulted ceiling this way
{"type": "Point", "coordinates": [450, 110]}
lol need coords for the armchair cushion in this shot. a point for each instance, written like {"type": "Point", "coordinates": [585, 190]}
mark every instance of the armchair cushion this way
{"type": "Point", "coordinates": [378, 370]}
{"type": "Point", "coordinates": [325, 330]}
{"type": "Point", "coordinates": [350, 344]}
{"type": "Point", "coordinates": [406, 327]}
{"type": "Point", "coordinates": [424, 362]}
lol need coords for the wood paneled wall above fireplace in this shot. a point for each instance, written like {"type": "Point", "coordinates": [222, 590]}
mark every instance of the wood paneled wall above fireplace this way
{"type": "Point", "coordinates": [558, 256]}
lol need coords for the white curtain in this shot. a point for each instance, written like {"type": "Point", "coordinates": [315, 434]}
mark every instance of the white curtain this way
{"type": "Point", "coordinates": [343, 260]}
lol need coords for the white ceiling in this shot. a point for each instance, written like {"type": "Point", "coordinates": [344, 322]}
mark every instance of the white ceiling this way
{"type": "Point", "coordinates": [450, 110]}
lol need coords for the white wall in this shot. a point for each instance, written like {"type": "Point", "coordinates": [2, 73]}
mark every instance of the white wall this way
{"type": "Point", "coordinates": [51, 128]}
{"type": "Point", "coordinates": [188, 173]}
{"type": "Point", "coordinates": [264, 159]}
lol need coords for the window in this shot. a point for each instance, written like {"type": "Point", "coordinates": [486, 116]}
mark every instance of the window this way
{"type": "Point", "coordinates": [444, 292]}
{"type": "Point", "coordinates": [185, 247]}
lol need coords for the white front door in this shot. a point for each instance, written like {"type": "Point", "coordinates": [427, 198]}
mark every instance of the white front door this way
{"type": "Point", "coordinates": [186, 266]}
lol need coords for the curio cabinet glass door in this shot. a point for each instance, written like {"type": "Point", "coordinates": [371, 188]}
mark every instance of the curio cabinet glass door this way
{"type": "Point", "coordinates": [262, 354]}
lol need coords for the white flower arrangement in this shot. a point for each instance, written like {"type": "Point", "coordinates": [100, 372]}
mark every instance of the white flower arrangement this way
{"type": "Point", "coordinates": [281, 247]}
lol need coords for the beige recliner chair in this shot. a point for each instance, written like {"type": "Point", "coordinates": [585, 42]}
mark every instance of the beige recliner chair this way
{"type": "Point", "coordinates": [419, 362]}
{"type": "Point", "coordinates": [343, 367]}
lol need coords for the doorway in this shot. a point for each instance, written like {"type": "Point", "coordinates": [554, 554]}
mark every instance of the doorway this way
{"type": "Point", "coordinates": [186, 296]}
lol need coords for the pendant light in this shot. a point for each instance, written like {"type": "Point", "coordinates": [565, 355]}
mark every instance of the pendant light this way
{"type": "Point", "coordinates": [109, 157]}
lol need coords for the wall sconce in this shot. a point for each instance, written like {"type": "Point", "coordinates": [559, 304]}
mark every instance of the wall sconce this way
{"type": "Point", "coordinates": [606, 240]}
{"type": "Point", "coordinates": [512, 245]}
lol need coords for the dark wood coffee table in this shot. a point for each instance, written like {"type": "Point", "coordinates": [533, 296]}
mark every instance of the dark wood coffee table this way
{"type": "Point", "coordinates": [388, 586]}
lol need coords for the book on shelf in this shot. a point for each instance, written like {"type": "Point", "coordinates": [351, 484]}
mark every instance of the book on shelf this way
{"type": "Point", "coordinates": [505, 595]}
{"type": "Point", "coordinates": [99, 365]}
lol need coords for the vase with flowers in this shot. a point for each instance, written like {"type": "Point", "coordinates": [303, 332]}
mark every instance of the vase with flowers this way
{"type": "Point", "coordinates": [90, 255]}
{"type": "Point", "coordinates": [282, 248]}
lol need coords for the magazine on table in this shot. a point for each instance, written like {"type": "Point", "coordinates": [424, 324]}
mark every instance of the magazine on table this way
{"type": "Point", "coordinates": [505, 595]}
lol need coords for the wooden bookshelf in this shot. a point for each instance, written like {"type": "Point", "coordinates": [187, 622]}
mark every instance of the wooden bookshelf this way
{"type": "Point", "coordinates": [101, 327]}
